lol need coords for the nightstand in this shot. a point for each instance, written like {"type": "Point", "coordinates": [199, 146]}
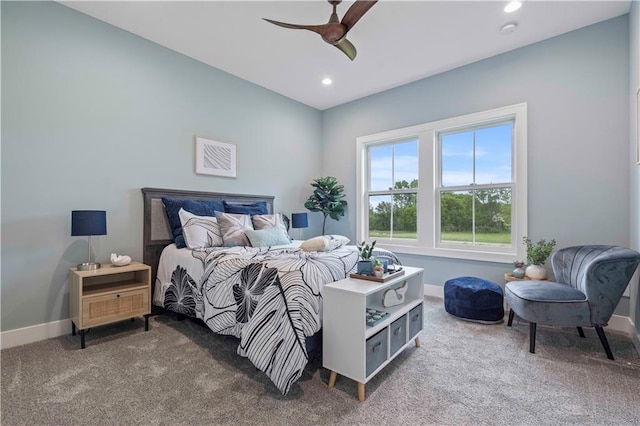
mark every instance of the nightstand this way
{"type": "Point", "coordinates": [109, 294]}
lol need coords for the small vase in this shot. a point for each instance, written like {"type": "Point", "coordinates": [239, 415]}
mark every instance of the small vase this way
{"type": "Point", "coordinates": [518, 273]}
{"type": "Point", "coordinates": [536, 272]}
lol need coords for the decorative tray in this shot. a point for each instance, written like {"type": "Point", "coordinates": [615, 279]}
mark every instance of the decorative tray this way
{"type": "Point", "coordinates": [384, 278]}
{"type": "Point", "coordinates": [374, 316]}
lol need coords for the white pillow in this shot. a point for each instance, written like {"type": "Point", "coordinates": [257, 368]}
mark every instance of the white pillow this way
{"type": "Point", "coordinates": [324, 243]}
{"type": "Point", "coordinates": [199, 231]}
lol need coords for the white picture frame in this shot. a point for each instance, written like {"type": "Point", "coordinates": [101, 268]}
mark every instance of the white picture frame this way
{"type": "Point", "coordinates": [216, 158]}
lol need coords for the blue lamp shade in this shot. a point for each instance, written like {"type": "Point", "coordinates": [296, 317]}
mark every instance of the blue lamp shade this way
{"type": "Point", "coordinates": [88, 222]}
{"type": "Point", "coordinates": [299, 220]}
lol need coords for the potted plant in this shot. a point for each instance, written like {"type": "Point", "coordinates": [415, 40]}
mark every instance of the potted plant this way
{"type": "Point", "coordinates": [365, 264]}
{"type": "Point", "coordinates": [537, 255]}
{"type": "Point", "coordinates": [327, 197]}
{"type": "Point", "coordinates": [378, 268]}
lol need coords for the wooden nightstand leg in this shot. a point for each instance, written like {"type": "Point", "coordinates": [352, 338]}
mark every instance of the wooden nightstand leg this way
{"type": "Point", "coordinates": [146, 323]}
{"type": "Point", "coordinates": [360, 391]}
{"type": "Point", "coordinates": [417, 342]}
{"type": "Point", "coordinates": [82, 333]}
{"type": "Point", "coordinates": [332, 379]}
{"type": "Point", "coordinates": [73, 328]}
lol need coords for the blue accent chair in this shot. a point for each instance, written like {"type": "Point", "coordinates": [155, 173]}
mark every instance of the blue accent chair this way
{"type": "Point", "coordinates": [590, 281]}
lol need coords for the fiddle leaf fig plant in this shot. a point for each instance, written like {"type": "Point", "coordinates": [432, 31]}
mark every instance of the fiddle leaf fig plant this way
{"type": "Point", "coordinates": [327, 198]}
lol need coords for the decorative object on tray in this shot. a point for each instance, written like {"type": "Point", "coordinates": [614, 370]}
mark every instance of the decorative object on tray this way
{"type": "Point", "coordinates": [88, 223]}
{"type": "Point", "coordinates": [537, 254]}
{"type": "Point", "coordinates": [519, 271]}
{"type": "Point", "coordinates": [120, 260]}
{"type": "Point", "coordinates": [374, 316]}
{"type": "Point", "coordinates": [385, 277]}
{"type": "Point", "coordinates": [378, 268]}
{"type": "Point", "coordinates": [394, 296]}
{"type": "Point", "coordinates": [327, 197]}
{"type": "Point", "coordinates": [365, 264]}
{"type": "Point", "coordinates": [216, 158]}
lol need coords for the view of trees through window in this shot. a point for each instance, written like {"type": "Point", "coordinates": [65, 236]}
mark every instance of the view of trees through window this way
{"type": "Point", "coordinates": [398, 209]}
{"type": "Point", "coordinates": [474, 186]}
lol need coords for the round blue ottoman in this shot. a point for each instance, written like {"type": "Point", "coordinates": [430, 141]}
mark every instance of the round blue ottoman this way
{"type": "Point", "coordinates": [474, 299]}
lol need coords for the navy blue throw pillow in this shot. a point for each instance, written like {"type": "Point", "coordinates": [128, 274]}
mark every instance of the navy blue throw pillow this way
{"type": "Point", "coordinates": [198, 207]}
{"type": "Point", "coordinates": [251, 209]}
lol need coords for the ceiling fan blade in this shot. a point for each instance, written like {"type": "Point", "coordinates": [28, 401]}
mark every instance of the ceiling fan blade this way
{"type": "Point", "coordinates": [315, 28]}
{"type": "Point", "coordinates": [356, 11]}
{"type": "Point", "coordinates": [346, 47]}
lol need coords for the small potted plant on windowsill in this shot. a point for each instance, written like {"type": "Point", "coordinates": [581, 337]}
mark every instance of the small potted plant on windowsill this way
{"type": "Point", "coordinates": [365, 264]}
{"type": "Point", "coordinates": [537, 255]}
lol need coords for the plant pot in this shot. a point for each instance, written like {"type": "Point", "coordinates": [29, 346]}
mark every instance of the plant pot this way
{"type": "Point", "coordinates": [365, 267]}
{"type": "Point", "coordinates": [536, 272]}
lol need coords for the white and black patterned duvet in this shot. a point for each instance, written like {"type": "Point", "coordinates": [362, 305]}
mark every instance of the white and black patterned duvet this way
{"type": "Point", "coordinates": [268, 297]}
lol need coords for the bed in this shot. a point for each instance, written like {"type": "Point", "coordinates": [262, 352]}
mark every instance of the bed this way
{"type": "Point", "coordinates": [270, 297]}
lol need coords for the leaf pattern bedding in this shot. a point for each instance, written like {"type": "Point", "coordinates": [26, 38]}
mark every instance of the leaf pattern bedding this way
{"type": "Point", "coordinates": [270, 298]}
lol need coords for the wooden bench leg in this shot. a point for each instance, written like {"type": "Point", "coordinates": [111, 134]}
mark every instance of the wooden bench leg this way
{"type": "Point", "coordinates": [417, 342]}
{"type": "Point", "coordinates": [360, 391]}
{"type": "Point", "coordinates": [332, 379]}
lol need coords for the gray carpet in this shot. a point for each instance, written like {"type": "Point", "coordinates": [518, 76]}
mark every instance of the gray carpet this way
{"type": "Point", "coordinates": [464, 373]}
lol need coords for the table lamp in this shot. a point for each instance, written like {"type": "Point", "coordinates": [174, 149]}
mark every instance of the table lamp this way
{"type": "Point", "coordinates": [299, 220]}
{"type": "Point", "coordinates": [88, 223]}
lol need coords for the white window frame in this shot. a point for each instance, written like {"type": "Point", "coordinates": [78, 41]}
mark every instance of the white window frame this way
{"type": "Point", "coordinates": [428, 202]}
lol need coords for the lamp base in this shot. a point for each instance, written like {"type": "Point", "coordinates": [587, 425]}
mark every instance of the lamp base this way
{"type": "Point", "coordinates": [88, 266]}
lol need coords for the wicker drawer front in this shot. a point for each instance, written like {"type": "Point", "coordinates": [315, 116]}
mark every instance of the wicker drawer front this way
{"type": "Point", "coordinates": [114, 307]}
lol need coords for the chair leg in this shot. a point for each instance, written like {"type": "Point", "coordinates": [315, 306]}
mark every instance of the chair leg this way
{"type": "Point", "coordinates": [581, 332]}
{"type": "Point", "coordinates": [511, 314]}
{"type": "Point", "coordinates": [532, 337]}
{"type": "Point", "coordinates": [603, 340]}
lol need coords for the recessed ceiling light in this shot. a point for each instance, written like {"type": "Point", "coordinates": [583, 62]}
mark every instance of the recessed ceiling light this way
{"type": "Point", "coordinates": [512, 6]}
{"type": "Point", "coordinates": [327, 81]}
{"type": "Point", "coordinates": [509, 28]}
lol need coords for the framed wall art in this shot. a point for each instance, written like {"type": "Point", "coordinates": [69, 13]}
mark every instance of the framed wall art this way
{"type": "Point", "coordinates": [216, 158]}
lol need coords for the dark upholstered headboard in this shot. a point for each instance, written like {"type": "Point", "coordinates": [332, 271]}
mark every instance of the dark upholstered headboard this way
{"type": "Point", "coordinates": [156, 230]}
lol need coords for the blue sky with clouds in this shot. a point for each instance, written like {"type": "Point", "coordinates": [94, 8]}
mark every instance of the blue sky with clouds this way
{"type": "Point", "coordinates": [397, 162]}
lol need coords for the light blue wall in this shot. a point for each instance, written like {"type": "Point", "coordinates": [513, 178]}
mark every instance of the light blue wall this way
{"type": "Point", "coordinates": [576, 87]}
{"type": "Point", "coordinates": [91, 114]}
{"type": "Point", "coordinates": [634, 85]}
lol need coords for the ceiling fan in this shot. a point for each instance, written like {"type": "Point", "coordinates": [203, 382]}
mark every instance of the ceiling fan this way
{"type": "Point", "coordinates": [335, 31]}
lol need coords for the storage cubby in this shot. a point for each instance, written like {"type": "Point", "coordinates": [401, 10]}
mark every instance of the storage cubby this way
{"type": "Point", "coordinates": [355, 350]}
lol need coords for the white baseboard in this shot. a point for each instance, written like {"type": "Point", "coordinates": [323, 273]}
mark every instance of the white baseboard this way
{"type": "Point", "coordinates": [34, 333]}
{"type": "Point", "coordinates": [616, 323]}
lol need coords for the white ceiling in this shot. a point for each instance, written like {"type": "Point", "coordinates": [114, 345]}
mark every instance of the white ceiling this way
{"type": "Point", "coordinates": [397, 41]}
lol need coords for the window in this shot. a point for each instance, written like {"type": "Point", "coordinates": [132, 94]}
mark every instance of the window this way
{"type": "Point", "coordinates": [454, 188]}
{"type": "Point", "coordinates": [393, 190]}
